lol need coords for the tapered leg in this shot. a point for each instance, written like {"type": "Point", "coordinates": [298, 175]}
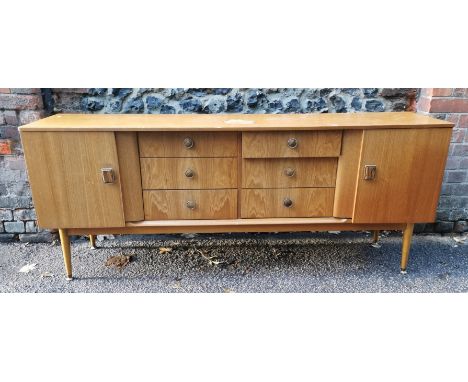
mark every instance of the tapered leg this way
{"type": "Point", "coordinates": [375, 236]}
{"type": "Point", "coordinates": [66, 250]}
{"type": "Point", "coordinates": [92, 241]}
{"type": "Point", "coordinates": [407, 234]}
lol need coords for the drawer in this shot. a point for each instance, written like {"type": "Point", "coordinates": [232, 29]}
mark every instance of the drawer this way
{"type": "Point", "coordinates": [294, 144]}
{"type": "Point", "coordinates": [188, 173]}
{"type": "Point", "coordinates": [190, 204]}
{"type": "Point", "coordinates": [187, 144]}
{"type": "Point", "coordinates": [287, 203]}
{"type": "Point", "coordinates": [289, 172]}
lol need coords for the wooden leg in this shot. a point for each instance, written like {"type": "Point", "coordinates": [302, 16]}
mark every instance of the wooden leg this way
{"type": "Point", "coordinates": [375, 237]}
{"type": "Point", "coordinates": [407, 234]}
{"type": "Point", "coordinates": [66, 250]}
{"type": "Point", "coordinates": [92, 241]}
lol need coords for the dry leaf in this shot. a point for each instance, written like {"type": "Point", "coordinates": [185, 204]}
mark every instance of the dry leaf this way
{"type": "Point", "coordinates": [27, 268]}
{"type": "Point", "coordinates": [118, 261]}
{"type": "Point", "coordinates": [212, 260]}
{"type": "Point", "coordinates": [460, 239]}
{"type": "Point", "coordinates": [227, 290]}
{"type": "Point", "coordinates": [163, 250]}
{"type": "Point", "coordinates": [46, 274]}
{"type": "Point", "coordinates": [188, 235]}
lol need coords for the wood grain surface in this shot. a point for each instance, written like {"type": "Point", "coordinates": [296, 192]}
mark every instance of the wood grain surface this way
{"type": "Point", "coordinates": [347, 173]}
{"type": "Point", "coordinates": [275, 144]}
{"type": "Point", "coordinates": [64, 170]}
{"type": "Point", "coordinates": [271, 173]}
{"type": "Point", "coordinates": [233, 122]}
{"type": "Point", "coordinates": [268, 203]}
{"type": "Point", "coordinates": [130, 177]}
{"type": "Point", "coordinates": [172, 144]}
{"type": "Point", "coordinates": [172, 204]}
{"type": "Point", "coordinates": [170, 173]}
{"type": "Point", "coordinates": [410, 167]}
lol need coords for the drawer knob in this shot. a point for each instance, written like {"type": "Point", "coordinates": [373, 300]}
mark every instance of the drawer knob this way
{"type": "Point", "coordinates": [190, 204]}
{"type": "Point", "coordinates": [108, 175]}
{"type": "Point", "coordinates": [287, 202]}
{"type": "Point", "coordinates": [188, 142]}
{"type": "Point", "coordinates": [189, 173]}
{"type": "Point", "coordinates": [292, 143]}
{"type": "Point", "coordinates": [289, 171]}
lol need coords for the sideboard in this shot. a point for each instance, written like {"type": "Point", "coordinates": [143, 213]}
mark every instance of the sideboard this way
{"type": "Point", "coordinates": [121, 174]}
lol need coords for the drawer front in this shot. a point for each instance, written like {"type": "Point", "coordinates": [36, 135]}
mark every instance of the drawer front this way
{"type": "Point", "coordinates": [187, 144]}
{"type": "Point", "coordinates": [294, 144]}
{"type": "Point", "coordinates": [190, 204]}
{"type": "Point", "coordinates": [284, 173]}
{"type": "Point", "coordinates": [287, 203]}
{"type": "Point", "coordinates": [189, 173]}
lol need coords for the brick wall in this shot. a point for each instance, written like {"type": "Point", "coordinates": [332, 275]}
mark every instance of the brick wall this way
{"type": "Point", "coordinates": [20, 106]}
{"type": "Point", "coordinates": [451, 105]}
{"type": "Point", "coordinates": [17, 216]}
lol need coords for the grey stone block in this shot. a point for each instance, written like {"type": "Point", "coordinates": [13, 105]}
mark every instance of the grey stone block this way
{"type": "Point", "coordinates": [39, 237]}
{"type": "Point", "coordinates": [5, 215]}
{"type": "Point", "coordinates": [14, 227]}
{"type": "Point", "coordinates": [25, 214]}
{"type": "Point", "coordinates": [460, 226]}
{"type": "Point", "coordinates": [6, 237]}
{"type": "Point", "coordinates": [419, 228]}
{"type": "Point", "coordinates": [31, 227]}
{"type": "Point", "coordinates": [15, 202]}
{"type": "Point", "coordinates": [443, 227]}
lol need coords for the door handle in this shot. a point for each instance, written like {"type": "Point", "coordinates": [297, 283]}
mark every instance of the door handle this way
{"type": "Point", "coordinates": [370, 171]}
{"type": "Point", "coordinates": [108, 175]}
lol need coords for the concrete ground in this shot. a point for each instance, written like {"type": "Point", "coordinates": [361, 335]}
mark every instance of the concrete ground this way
{"type": "Point", "coordinates": [300, 262]}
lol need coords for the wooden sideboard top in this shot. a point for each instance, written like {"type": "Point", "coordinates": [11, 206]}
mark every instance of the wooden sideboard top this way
{"type": "Point", "coordinates": [232, 122]}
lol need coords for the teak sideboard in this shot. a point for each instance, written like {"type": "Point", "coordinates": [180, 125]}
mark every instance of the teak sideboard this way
{"type": "Point", "coordinates": [123, 174]}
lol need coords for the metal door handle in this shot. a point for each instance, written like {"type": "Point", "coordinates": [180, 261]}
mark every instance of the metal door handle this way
{"type": "Point", "coordinates": [108, 175]}
{"type": "Point", "coordinates": [370, 171]}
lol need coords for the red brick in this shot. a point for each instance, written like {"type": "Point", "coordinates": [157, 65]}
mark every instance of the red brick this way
{"type": "Point", "coordinates": [463, 121]}
{"type": "Point", "coordinates": [4, 90]}
{"type": "Point", "coordinates": [5, 147]}
{"type": "Point", "coordinates": [25, 91]}
{"type": "Point", "coordinates": [10, 117]}
{"type": "Point", "coordinates": [28, 116]}
{"type": "Point", "coordinates": [20, 102]}
{"type": "Point", "coordinates": [441, 92]}
{"type": "Point", "coordinates": [449, 105]}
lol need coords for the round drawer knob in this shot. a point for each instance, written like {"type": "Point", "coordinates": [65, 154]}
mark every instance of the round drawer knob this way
{"type": "Point", "coordinates": [287, 202]}
{"type": "Point", "coordinates": [190, 204]}
{"type": "Point", "coordinates": [189, 173]}
{"type": "Point", "coordinates": [292, 143]}
{"type": "Point", "coordinates": [188, 142]}
{"type": "Point", "coordinates": [289, 171]}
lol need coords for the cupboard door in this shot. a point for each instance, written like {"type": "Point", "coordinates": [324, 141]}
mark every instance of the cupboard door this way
{"type": "Point", "coordinates": [409, 170]}
{"type": "Point", "coordinates": [67, 182]}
